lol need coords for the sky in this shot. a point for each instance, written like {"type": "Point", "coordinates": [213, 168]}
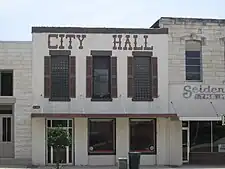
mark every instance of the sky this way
{"type": "Point", "coordinates": [18, 16]}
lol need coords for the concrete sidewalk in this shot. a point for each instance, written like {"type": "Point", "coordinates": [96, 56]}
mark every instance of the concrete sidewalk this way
{"type": "Point", "coordinates": [115, 167]}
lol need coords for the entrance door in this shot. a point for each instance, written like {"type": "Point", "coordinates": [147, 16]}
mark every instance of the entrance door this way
{"type": "Point", "coordinates": [185, 142]}
{"type": "Point", "coordinates": [66, 154]}
{"type": "Point", "coordinates": [6, 137]}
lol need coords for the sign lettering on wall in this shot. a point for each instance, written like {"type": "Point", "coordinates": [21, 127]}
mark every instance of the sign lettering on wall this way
{"type": "Point", "coordinates": [119, 42]}
{"type": "Point", "coordinates": [59, 41]}
{"type": "Point", "coordinates": [203, 92]}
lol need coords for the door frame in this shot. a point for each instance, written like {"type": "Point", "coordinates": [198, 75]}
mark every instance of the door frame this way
{"type": "Point", "coordinates": [67, 148]}
{"type": "Point", "coordinates": [188, 143]}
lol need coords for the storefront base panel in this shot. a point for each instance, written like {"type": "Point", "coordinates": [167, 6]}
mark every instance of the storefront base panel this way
{"type": "Point", "coordinates": [168, 143]}
{"type": "Point", "coordinates": [97, 160]}
{"type": "Point", "coordinates": [207, 158]}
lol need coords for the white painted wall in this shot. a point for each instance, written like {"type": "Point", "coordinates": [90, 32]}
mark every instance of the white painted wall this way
{"type": "Point", "coordinates": [101, 42]}
{"type": "Point", "coordinates": [169, 143]}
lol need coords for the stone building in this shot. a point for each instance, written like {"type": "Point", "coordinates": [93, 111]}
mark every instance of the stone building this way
{"type": "Point", "coordinates": [196, 85]}
{"type": "Point", "coordinates": [159, 91]}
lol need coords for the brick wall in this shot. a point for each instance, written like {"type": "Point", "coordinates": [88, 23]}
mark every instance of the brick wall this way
{"type": "Point", "coordinates": [17, 56]}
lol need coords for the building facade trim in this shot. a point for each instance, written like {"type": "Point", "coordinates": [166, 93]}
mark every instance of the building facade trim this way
{"type": "Point", "coordinates": [98, 30]}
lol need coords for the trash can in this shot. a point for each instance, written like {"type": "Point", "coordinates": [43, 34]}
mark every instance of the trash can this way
{"type": "Point", "coordinates": [134, 160]}
{"type": "Point", "coordinates": [122, 163]}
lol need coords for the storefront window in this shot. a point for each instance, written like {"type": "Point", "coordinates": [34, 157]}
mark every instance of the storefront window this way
{"type": "Point", "coordinates": [218, 137]}
{"type": "Point", "coordinates": [200, 136]}
{"type": "Point", "coordinates": [143, 135]}
{"type": "Point", "coordinates": [101, 136]}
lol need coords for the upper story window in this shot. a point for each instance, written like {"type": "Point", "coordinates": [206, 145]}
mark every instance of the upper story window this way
{"type": "Point", "coordinates": [142, 77]}
{"type": "Point", "coordinates": [101, 80]}
{"type": "Point", "coordinates": [59, 83]}
{"type": "Point", "coordinates": [193, 60]}
{"type": "Point", "coordinates": [6, 78]}
{"type": "Point", "coordinates": [101, 77]}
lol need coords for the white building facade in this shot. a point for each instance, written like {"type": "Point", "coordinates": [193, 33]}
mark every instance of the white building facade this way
{"type": "Point", "coordinates": [158, 91]}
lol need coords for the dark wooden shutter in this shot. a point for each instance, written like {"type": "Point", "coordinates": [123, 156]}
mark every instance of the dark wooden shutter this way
{"type": "Point", "coordinates": [114, 77]}
{"type": "Point", "coordinates": [130, 88]}
{"type": "Point", "coordinates": [47, 76]}
{"type": "Point", "coordinates": [154, 77]}
{"type": "Point", "coordinates": [72, 75]}
{"type": "Point", "coordinates": [89, 76]}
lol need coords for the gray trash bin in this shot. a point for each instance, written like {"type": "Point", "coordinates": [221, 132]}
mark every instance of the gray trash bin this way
{"type": "Point", "coordinates": [134, 160]}
{"type": "Point", "coordinates": [122, 163]}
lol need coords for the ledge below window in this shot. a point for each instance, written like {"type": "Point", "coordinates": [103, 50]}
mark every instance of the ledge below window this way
{"type": "Point", "coordinates": [102, 153]}
{"type": "Point", "coordinates": [102, 99]}
{"type": "Point", "coordinates": [142, 100]}
{"type": "Point", "coordinates": [59, 99]}
{"type": "Point", "coordinates": [146, 152]}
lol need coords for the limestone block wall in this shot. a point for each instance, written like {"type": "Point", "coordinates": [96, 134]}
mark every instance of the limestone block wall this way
{"type": "Point", "coordinates": [17, 56]}
{"type": "Point", "coordinates": [211, 32]}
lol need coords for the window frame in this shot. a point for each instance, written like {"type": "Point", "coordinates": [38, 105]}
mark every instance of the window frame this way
{"type": "Point", "coordinates": [154, 135]}
{"type": "Point", "coordinates": [61, 99]}
{"type": "Point", "coordinates": [113, 120]}
{"type": "Point", "coordinates": [10, 71]}
{"type": "Point", "coordinates": [134, 98]}
{"type": "Point", "coordinates": [200, 58]}
{"type": "Point", "coordinates": [6, 129]}
{"type": "Point", "coordinates": [93, 96]}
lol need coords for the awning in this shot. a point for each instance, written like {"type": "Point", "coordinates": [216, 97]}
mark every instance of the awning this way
{"type": "Point", "coordinates": [77, 115]}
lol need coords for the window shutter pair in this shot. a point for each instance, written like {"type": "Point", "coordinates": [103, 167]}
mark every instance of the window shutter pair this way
{"type": "Point", "coordinates": [130, 69]}
{"type": "Point", "coordinates": [47, 76]}
{"type": "Point", "coordinates": [89, 76]}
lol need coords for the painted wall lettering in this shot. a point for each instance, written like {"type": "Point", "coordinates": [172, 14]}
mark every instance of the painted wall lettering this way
{"type": "Point", "coordinates": [65, 41]}
{"type": "Point", "coordinates": [130, 43]}
{"type": "Point", "coordinates": [203, 92]}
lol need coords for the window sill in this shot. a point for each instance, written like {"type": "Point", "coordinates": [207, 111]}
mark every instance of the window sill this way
{"type": "Point", "coordinates": [142, 100]}
{"type": "Point", "coordinates": [197, 81]}
{"type": "Point", "coordinates": [145, 153]}
{"type": "Point", "coordinates": [101, 153]}
{"type": "Point", "coordinates": [59, 99]}
{"type": "Point", "coordinates": [102, 99]}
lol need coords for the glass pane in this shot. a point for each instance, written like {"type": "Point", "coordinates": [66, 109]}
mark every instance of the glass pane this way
{"type": "Point", "coordinates": [191, 61]}
{"type": "Point", "coordinates": [142, 136]}
{"type": "Point", "coordinates": [70, 154]}
{"type": "Point", "coordinates": [9, 128]}
{"type": "Point", "coordinates": [101, 81]}
{"type": "Point", "coordinates": [4, 129]}
{"type": "Point", "coordinates": [184, 123]}
{"type": "Point", "coordinates": [70, 123]}
{"type": "Point", "coordinates": [101, 136]}
{"type": "Point", "coordinates": [142, 80]}
{"type": "Point", "coordinates": [56, 123]}
{"type": "Point", "coordinates": [49, 123]}
{"type": "Point", "coordinates": [193, 76]}
{"type": "Point", "coordinates": [218, 137]}
{"type": "Point", "coordinates": [195, 69]}
{"type": "Point", "coordinates": [185, 142]}
{"type": "Point", "coordinates": [61, 155]}
{"type": "Point", "coordinates": [200, 136]}
{"type": "Point", "coordinates": [49, 154]}
{"type": "Point", "coordinates": [193, 54]}
{"type": "Point", "coordinates": [101, 77]}
{"type": "Point", "coordinates": [60, 77]}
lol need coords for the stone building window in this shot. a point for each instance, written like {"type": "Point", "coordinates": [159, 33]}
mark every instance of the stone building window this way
{"type": "Point", "coordinates": [193, 60]}
{"type": "Point", "coordinates": [6, 83]}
